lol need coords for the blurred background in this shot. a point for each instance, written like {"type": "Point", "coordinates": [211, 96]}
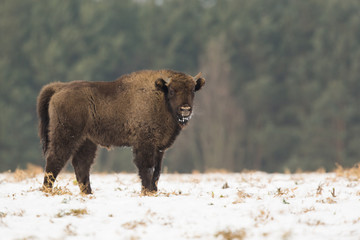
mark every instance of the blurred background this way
{"type": "Point", "coordinates": [283, 76]}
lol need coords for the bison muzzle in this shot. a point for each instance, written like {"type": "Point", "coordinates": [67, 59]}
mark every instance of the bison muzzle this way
{"type": "Point", "coordinates": [144, 110]}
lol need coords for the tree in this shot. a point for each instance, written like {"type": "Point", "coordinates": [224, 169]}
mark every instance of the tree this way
{"type": "Point", "coordinates": [215, 139]}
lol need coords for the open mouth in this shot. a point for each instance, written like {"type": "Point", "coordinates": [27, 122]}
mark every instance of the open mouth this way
{"type": "Point", "coordinates": [184, 119]}
{"type": "Point", "coordinates": [184, 114]}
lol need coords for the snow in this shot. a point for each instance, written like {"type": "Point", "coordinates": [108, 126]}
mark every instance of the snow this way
{"type": "Point", "coordinates": [252, 205]}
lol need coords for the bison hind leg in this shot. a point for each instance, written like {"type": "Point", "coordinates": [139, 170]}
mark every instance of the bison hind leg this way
{"type": "Point", "coordinates": [53, 167]}
{"type": "Point", "coordinates": [82, 160]}
{"type": "Point", "coordinates": [55, 161]}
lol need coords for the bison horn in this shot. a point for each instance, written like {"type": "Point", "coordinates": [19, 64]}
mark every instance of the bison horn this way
{"type": "Point", "coordinates": [197, 76]}
{"type": "Point", "coordinates": [167, 80]}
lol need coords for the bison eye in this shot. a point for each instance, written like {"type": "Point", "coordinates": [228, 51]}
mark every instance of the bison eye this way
{"type": "Point", "coordinates": [171, 92]}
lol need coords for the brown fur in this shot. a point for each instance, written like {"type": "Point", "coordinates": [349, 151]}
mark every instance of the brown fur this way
{"type": "Point", "coordinates": [145, 110]}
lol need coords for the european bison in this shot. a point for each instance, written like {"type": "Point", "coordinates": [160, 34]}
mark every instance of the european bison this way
{"type": "Point", "coordinates": [145, 110]}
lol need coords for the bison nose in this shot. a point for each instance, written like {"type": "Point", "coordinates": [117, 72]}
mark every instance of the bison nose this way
{"type": "Point", "coordinates": [185, 110]}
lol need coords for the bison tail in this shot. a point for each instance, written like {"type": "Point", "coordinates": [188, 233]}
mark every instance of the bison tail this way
{"type": "Point", "coordinates": [43, 114]}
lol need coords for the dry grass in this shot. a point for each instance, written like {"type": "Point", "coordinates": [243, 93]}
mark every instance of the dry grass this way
{"type": "Point", "coordinates": [30, 172]}
{"type": "Point", "coordinates": [310, 209]}
{"type": "Point", "coordinates": [73, 212]}
{"type": "Point", "coordinates": [134, 224]}
{"type": "Point", "coordinates": [19, 213]}
{"type": "Point", "coordinates": [333, 192]}
{"type": "Point", "coordinates": [353, 174]}
{"type": "Point", "coordinates": [241, 197]}
{"type": "Point", "coordinates": [225, 186]}
{"type": "Point", "coordinates": [231, 235]}
{"type": "Point", "coordinates": [321, 192]}
{"type": "Point", "coordinates": [263, 217]}
{"type": "Point", "coordinates": [147, 193]}
{"type": "Point", "coordinates": [328, 200]}
{"type": "Point", "coordinates": [70, 230]}
{"type": "Point", "coordinates": [56, 191]}
{"type": "Point", "coordinates": [214, 170]}
{"type": "Point", "coordinates": [315, 223]}
{"type": "Point", "coordinates": [280, 192]}
{"type": "Point", "coordinates": [286, 235]}
{"type": "Point", "coordinates": [319, 189]}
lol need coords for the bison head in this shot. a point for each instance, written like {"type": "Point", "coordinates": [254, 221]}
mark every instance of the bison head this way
{"type": "Point", "coordinates": [179, 92]}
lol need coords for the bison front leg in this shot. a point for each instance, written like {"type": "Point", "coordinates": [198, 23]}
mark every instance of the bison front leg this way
{"type": "Point", "coordinates": [158, 161]}
{"type": "Point", "coordinates": [144, 158]}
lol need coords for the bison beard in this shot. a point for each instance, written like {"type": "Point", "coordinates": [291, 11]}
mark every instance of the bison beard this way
{"type": "Point", "coordinates": [145, 110]}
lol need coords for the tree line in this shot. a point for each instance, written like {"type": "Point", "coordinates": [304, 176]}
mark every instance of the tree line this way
{"type": "Point", "coordinates": [282, 75]}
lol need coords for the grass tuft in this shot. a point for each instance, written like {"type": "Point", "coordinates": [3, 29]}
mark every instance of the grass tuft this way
{"type": "Point", "coordinates": [353, 174]}
{"type": "Point", "coordinates": [328, 200]}
{"type": "Point", "coordinates": [319, 189]}
{"type": "Point", "coordinates": [280, 192]}
{"type": "Point", "coordinates": [133, 225]}
{"type": "Point", "coordinates": [225, 186]}
{"type": "Point", "coordinates": [231, 235]}
{"type": "Point", "coordinates": [215, 170]}
{"type": "Point", "coordinates": [30, 172]}
{"type": "Point", "coordinates": [241, 197]}
{"type": "Point", "coordinates": [70, 230]}
{"type": "Point", "coordinates": [72, 212]}
{"type": "Point", "coordinates": [56, 191]}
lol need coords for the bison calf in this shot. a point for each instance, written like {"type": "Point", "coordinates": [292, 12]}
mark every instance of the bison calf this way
{"type": "Point", "coordinates": [144, 110]}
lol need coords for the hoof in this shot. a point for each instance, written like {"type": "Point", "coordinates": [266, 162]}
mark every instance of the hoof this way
{"type": "Point", "coordinates": [46, 189]}
{"type": "Point", "coordinates": [148, 192]}
{"type": "Point", "coordinates": [85, 189]}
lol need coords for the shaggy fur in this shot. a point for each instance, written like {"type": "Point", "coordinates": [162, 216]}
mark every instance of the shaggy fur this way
{"type": "Point", "coordinates": [145, 110]}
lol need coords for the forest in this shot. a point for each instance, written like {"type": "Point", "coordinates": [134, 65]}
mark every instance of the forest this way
{"type": "Point", "coordinates": [282, 76]}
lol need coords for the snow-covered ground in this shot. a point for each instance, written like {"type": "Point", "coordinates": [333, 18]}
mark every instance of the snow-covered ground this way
{"type": "Point", "coordinates": [252, 205]}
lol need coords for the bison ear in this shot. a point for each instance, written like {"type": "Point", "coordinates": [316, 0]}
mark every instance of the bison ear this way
{"type": "Point", "coordinates": [161, 84]}
{"type": "Point", "coordinates": [199, 81]}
